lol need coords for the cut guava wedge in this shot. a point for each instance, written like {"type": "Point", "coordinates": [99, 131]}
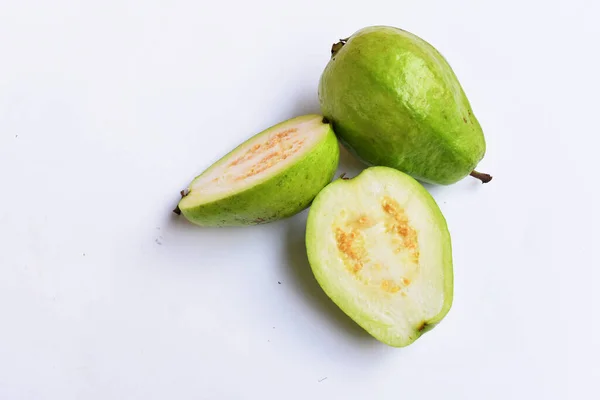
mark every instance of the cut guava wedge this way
{"type": "Point", "coordinates": [273, 175]}
{"type": "Point", "coordinates": [380, 248]}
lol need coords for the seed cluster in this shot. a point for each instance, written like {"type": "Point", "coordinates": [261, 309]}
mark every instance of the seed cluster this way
{"type": "Point", "coordinates": [350, 240]}
{"type": "Point", "coordinates": [277, 148]}
{"type": "Point", "coordinates": [406, 236]}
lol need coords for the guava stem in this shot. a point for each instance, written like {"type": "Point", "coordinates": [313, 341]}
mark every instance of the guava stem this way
{"type": "Point", "coordinates": [183, 193]}
{"type": "Point", "coordinates": [337, 46]}
{"type": "Point", "coordinates": [484, 178]}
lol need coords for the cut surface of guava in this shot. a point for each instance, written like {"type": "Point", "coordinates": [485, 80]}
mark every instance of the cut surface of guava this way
{"type": "Point", "coordinates": [274, 174]}
{"type": "Point", "coordinates": [379, 247]}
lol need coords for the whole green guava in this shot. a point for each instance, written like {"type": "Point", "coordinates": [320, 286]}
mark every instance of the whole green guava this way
{"type": "Point", "coordinates": [395, 101]}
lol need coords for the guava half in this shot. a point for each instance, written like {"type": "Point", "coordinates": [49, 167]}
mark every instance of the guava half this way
{"type": "Point", "coordinates": [380, 248]}
{"type": "Point", "coordinates": [273, 175]}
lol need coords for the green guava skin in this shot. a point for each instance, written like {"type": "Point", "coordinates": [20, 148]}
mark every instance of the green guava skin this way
{"type": "Point", "coordinates": [281, 196]}
{"type": "Point", "coordinates": [395, 101]}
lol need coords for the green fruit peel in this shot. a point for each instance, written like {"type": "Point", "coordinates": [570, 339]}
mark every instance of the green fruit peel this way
{"type": "Point", "coordinates": [395, 101]}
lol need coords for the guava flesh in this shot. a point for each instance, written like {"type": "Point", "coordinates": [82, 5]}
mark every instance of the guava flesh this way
{"type": "Point", "coordinates": [273, 175]}
{"type": "Point", "coordinates": [380, 248]}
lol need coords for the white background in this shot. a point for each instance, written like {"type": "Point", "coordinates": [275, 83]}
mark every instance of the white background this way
{"type": "Point", "coordinates": [109, 108]}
